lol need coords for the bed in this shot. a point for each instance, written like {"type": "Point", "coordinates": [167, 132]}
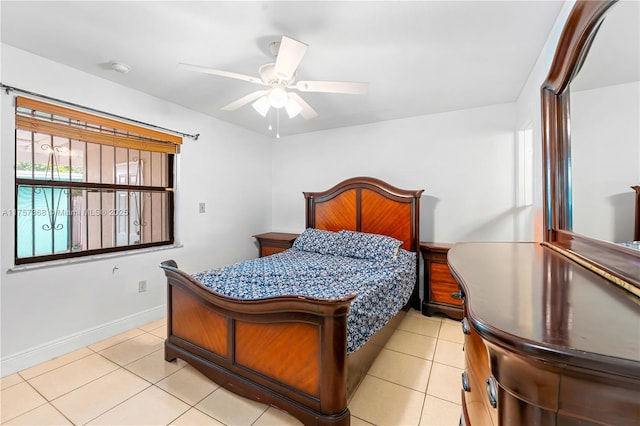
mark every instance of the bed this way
{"type": "Point", "coordinates": [291, 351]}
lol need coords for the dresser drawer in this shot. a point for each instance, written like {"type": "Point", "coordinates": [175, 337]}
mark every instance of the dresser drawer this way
{"type": "Point", "coordinates": [477, 368]}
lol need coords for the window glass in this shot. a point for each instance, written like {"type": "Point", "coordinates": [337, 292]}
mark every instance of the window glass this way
{"type": "Point", "coordinates": [77, 197]}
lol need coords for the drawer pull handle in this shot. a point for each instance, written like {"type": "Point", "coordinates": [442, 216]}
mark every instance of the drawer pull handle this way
{"type": "Point", "coordinates": [465, 382]}
{"type": "Point", "coordinates": [492, 392]}
{"type": "Point", "coordinates": [458, 296]}
{"type": "Point", "coordinates": [465, 326]}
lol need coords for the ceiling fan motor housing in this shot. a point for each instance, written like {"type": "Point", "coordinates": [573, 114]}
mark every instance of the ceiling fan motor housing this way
{"type": "Point", "coordinates": [268, 75]}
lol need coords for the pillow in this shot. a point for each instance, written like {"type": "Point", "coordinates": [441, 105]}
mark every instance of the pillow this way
{"type": "Point", "coordinates": [319, 241]}
{"type": "Point", "coordinates": [369, 246]}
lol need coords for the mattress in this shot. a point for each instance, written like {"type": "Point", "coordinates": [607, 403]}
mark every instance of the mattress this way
{"type": "Point", "coordinates": [381, 286]}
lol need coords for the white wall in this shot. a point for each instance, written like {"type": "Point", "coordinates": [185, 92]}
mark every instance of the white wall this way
{"type": "Point", "coordinates": [529, 110]}
{"type": "Point", "coordinates": [464, 161]}
{"type": "Point", "coordinates": [49, 311]}
{"type": "Point", "coordinates": [605, 160]}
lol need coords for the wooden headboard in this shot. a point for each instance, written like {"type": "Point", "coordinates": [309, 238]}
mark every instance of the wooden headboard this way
{"type": "Point", "coordinates": [367, 204]}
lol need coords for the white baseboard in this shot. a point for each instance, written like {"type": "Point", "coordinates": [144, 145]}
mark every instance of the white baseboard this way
{"type": "Point", "coordinates": [55, 348]}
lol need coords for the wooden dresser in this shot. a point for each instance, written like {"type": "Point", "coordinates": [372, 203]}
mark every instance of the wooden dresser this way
{"type": "Point", "coordinates": [439, 288]}
{"type": "Point", "coordinates": [547, 342]}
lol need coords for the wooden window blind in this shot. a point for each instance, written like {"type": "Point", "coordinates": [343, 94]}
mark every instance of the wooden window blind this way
{"type": "Point", "coordinates": [43, 117]}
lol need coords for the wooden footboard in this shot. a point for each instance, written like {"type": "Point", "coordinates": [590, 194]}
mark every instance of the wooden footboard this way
{"type": "Point", "coordinates": [289, 352]}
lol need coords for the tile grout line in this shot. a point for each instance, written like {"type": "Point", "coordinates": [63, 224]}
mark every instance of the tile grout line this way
{"type": "Point", "coordinates": [123, 367]}
{"type": "Point", "coordinates": [404, 353]}
{"type": "Point", "coordinates": [55, 368]}
{"type": "Point", "coordinates": [50, 401]}
{"type": "Point", "coordinates": [20, 373]}
{"type": "Point", "coordinates": [261, 414]}
{"type": "Point", "coordinates": [82, 385]}
{"type": "Point", "coordinates": [424, 400]}
{"type": "Point", "coordinates": [118, 404]}
{"type": "Point", "coordinates": [187, 402]}
{"type": "Point", "coordinates": [115, 344]}
{"type": "Point", "coordinates": [46, 401]}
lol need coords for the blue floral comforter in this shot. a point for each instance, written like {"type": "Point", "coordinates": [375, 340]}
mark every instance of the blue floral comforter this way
{"type": "Point", "coordinates": [382, 288]}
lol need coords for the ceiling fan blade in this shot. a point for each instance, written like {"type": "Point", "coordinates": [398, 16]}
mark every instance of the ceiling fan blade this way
{"type": "Point", "coordinates": [345, 87]}
{"type": "Point", "coordinates": [289, 56]}
{"type": "Point", "coordinates": [307, 112]}
{"type": "Point", "coordinates": [244, 100]}
{"type": "Point", "coordinates": [220, 73]}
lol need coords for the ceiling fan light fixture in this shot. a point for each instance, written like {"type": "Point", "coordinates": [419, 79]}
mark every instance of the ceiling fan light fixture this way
{"type": "Point", "coordinates": [262, 105]}
{"type": "Point", "coordinates": [278, 97]}
{"type": "Point", "coordinates": [293, 108]}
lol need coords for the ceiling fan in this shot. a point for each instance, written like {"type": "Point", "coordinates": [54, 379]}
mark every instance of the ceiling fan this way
{"type": "Point", "coordinates": [280, 78]}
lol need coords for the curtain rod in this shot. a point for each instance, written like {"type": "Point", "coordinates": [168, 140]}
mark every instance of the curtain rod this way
{"type": "Point", "coordinates": [8, 89]}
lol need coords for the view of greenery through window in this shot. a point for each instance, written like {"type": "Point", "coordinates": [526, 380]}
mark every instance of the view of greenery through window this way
{"type": "Point", "coordinates": [75, 197]}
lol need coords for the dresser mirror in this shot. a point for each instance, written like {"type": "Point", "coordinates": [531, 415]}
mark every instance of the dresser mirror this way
{"type": "Point", "coordinates": [605, 129]}
{"type": "Point", "coordinates": [590, 137]}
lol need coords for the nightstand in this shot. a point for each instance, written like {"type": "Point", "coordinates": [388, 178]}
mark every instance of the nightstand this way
{"type": "Point", "coordinates": [438, 284]}
{"type": "Point", "coordinates": [274, 242]}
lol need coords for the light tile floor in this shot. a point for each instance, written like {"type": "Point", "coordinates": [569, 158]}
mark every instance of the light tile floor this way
{"type": "Point", "coordinates": [124, 380]}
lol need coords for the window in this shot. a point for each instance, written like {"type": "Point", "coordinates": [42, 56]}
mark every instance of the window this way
{"type": "Point", "coordinates": [86, 184]}
{"type": "Point", "coordinates": [525, 166]}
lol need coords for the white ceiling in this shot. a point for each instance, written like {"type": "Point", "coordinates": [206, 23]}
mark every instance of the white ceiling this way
{"type": "Point", "coordinates": [614, 55]}
{"type": "Point", "coordinates": [419, 57]}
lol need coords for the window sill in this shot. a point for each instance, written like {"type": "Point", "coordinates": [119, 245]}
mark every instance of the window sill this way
{"type": "Point", "coordinates": [84, 259]}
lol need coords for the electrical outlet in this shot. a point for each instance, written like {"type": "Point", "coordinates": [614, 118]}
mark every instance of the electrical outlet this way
{"type": "Point", "coordinates": [201, 207]}
{"type": "Point", "coordinates": [142, 286]}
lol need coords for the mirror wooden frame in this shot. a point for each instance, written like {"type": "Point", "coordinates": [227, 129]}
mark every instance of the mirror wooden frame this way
{"type": "Point", "coordinates": [616, 262]}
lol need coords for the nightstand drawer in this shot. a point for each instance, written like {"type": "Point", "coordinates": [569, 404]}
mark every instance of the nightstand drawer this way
{"type": "Point", "coordinates": [269, 250]}
{"type": "Point", "coordinates": [438, 284]}
{"type": "Point", "coordinates": [274, 242]}
{"type": "Point", "coordinates": [443, 285]}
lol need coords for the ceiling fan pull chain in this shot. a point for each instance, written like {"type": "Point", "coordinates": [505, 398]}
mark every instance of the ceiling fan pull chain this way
{"type": "Point", "coordinates": [270, 119]}
{"type": "Point", "coordinates": [277, 124]}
